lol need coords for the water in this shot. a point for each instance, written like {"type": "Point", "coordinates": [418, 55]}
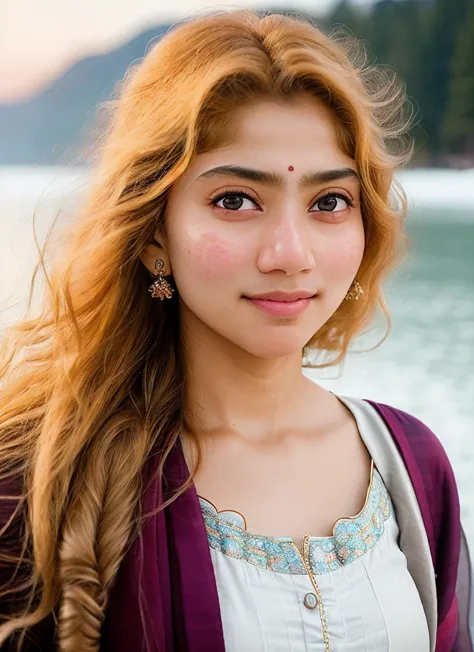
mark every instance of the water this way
{"type": "Point", "coordinates": [426, 365]}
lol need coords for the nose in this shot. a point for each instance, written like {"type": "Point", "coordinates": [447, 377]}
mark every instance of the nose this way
{"type": "Point", "coordinates": [286, 247]}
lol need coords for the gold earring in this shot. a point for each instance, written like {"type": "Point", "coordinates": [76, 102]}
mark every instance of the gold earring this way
{"type": "Point", "coordinates": [160, 288]}
{"type": "Point", "coordinates": [354, 292]}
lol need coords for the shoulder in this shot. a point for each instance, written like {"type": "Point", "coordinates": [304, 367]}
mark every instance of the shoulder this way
{"type": "Point", "coordinates": [12, 512]}
{"type": "Point", "coordinates": [434, 483]}
{"type": "Point", "coordinates": [431, 474]}
{"type": "Point", "coordinates": [423, 456]}
{"type": "Point", "coordinates": [415, 439]}
{"type": "Point", "coordinates": [15, 559]}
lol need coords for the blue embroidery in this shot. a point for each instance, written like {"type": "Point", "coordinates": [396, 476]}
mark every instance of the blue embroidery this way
{"type": "Point", "coordinates": [352, 537]}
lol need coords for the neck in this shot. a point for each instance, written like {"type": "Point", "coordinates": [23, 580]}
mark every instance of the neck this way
{"type": "Point", "coordinates": [229, 391]}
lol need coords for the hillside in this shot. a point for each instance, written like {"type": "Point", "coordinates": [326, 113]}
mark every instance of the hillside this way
{"type": "Point", "coordinates": [429, 43]}
{"type": "Point", "coordinates": [46, 129]}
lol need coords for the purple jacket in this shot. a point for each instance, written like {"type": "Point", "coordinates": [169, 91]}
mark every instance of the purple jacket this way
{"type": "Point", "coordinates": [165, 596]}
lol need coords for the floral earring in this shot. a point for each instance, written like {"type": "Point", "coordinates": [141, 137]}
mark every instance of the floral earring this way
{"type": "Point", "coordinates": [354, 292]}
{"type": "Point", "coordinates": [160, 288]}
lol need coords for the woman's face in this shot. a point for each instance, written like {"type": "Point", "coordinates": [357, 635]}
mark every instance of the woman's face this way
{"type": "Point", "coordinates": [265, 222]}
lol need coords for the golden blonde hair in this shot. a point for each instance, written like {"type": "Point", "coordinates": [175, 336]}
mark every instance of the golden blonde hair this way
{"type": "Point", "coordinates": [94, 383]}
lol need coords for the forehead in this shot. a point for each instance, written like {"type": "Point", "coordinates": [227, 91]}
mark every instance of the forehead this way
{"type": "Point", "coordinates": [301, 132]}
{"type": "Point", "coordinates": [302, 117]}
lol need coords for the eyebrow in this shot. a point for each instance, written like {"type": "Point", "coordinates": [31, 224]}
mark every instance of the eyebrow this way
{"type": "Point", "coordinates": [275, 179]}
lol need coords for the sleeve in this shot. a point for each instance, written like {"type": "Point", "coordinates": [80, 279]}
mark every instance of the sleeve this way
{"type": "Point", "coordinates": [11, 537]}
{"type": "Point", "coordinates": [40, 636]}
{"type": "Point", "coordinates": [464, 597]}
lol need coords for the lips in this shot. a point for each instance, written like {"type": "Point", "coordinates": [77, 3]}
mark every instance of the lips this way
{"type": "Point", "coordinates": [283, 296]}
{"type": "Point", "coordinates": [282, 304]}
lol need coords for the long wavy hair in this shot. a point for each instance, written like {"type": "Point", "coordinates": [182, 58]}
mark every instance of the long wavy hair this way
{"type": "Point", "coordinates": [93, 384]}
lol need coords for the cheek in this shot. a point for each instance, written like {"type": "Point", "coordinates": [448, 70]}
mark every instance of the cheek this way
{"type": "Point", "coordinates": [208, 255]}
{"type": "Point", "coordinates": [344, 257]}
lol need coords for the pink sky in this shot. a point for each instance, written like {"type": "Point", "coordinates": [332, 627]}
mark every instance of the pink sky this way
{"type": "Point", "coordinates": [39, 39]}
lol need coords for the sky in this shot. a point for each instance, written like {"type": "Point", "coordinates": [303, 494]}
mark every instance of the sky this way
{"type": "Point", "coordinates": [40, 39]}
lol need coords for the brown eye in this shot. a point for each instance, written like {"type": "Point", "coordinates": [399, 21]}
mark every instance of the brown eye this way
{"type": "Point", "coordinates": [330, 202]}
{"type": "Point", "coordinates": [233, 201]}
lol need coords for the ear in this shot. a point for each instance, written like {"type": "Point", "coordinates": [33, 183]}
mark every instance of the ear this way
{"type": "Point", "coordinates": [153, 251]}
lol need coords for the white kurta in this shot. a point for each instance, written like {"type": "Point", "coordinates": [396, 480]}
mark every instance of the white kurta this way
{"type": "Point", "coordinates": [348, 592]}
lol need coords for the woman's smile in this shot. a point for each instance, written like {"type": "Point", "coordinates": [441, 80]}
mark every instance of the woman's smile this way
{"type": "Point", "coordinates": [282, 304]}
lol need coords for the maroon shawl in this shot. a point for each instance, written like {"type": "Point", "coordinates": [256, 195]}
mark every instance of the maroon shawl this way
{"type": "Point", "coordinates": [178, 586]}
{"type": "Point", "coordinates": [165, 596]}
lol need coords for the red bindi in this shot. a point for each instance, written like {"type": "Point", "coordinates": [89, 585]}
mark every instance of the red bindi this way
{"type": "Point", "coordinates": [291, 168]}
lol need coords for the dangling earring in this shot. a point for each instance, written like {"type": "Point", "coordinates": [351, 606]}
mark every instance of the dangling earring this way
{"type": "Point", "coordinates": [354, 292]}
{"type": "Point", "coordinates": [160, 288]}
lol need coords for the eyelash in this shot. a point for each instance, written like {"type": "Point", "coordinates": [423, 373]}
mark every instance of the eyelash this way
{"type": "Point", "coordinates": [241, 193]}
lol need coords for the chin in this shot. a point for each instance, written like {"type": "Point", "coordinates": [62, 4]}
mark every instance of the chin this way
{"type": "Point", "coordinates": [274, 347]}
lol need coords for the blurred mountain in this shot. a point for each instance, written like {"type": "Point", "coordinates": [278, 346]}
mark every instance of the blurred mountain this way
{"type": "Point", "coordinates": [429, 43]}
{"type": "Point", "coordinates": [49, 128]}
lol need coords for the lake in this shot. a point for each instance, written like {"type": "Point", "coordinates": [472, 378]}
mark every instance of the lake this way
{"type": "Point", "coordinates": [426, 366]}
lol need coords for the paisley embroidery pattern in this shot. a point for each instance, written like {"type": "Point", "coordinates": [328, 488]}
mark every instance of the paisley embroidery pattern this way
{"type": "Point", "coordinates": [352, 537]}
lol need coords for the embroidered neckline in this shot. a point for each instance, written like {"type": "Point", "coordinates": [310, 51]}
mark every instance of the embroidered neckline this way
{"type": "Point", "coordinates": [352, 536]}
{"type": "Point", "coordinates": [237, 519]}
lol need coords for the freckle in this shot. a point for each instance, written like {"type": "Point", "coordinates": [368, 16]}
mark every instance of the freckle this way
{"type": "Point", "coordinates": [214, 249]}
{"type": "Point", "coordinates": [291, 168]}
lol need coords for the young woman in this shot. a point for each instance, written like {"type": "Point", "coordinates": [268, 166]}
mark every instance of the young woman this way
{"type": "Point", "coordinates": [171, 481]}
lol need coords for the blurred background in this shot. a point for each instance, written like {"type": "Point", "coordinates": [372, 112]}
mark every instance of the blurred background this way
{"type": "Point", "coordinates": [60, 59]}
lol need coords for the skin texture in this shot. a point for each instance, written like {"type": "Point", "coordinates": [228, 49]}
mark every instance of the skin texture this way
{"type": "Point", "coordinates": [269, 435]}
